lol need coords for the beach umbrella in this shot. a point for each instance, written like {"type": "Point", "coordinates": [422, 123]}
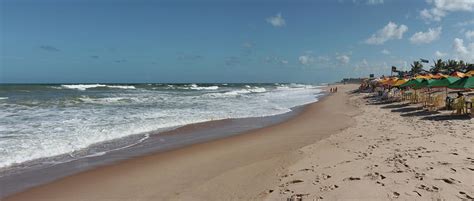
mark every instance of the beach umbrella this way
{"type": "Point", "coordinates": [470, 73]}
{"type": "Point", "coordinates": [400, 82]}
{"type": "Point", "coordinates": [412, 83]}
{"type": "Point", "coordinates": [463, 83]}
{"type": "Point", "coordinates": [422, 77]}
{"type": "Point", "coordinates": [439, 76]}
{"type": "Point", "coordinates": [445, 82]}
{"type": "Point", "coordinates": [458, 74]}
{"type": "Point", "coordinates": [392, 81]}
{"type": "Point", "coordinates": [423, 84]}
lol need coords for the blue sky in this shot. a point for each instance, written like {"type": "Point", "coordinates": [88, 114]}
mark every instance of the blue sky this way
{"type": "Point", "coordinates": [226, 41]}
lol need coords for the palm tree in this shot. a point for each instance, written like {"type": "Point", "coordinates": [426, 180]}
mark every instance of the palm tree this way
{"type": "Point", "coordinates": [439, 66]}
{"type": "Point", "coordinates": [416, 67]}
{"type": "Point", "coordinates": [452, 66]}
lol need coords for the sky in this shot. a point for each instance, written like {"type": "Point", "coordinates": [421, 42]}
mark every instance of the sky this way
{"type": "Point", "coordinates": [227, 41]}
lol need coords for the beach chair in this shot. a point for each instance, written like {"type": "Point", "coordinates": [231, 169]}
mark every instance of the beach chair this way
{"type": "Point", "coordinates": [459, 106]}
{"type": "Point", "coordinates": [436, 103]}
{"type": "Point", "coordinates": [472, 108]}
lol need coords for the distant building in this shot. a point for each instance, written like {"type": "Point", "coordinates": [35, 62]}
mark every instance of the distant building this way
{"type": "Point", "coordinates": [353, 80]}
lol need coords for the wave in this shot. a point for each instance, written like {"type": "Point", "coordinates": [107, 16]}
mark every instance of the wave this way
{"type": "Point", "coordinates": [3, 98]}
{"type": "Point", "coordinates": [196, 87]}
{"type": "Point", "coordinates": [83, 87]}
{"type": "Point", "coordinates": [108, 100]}
{"type": "Point", "coordinates": [237, 92]}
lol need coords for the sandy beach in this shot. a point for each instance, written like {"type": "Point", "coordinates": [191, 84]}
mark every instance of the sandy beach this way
{"type": "Point", "coordinates": [344, 147]}
{"type": "Point", "coordinates": [243, 167]}
{"type": "Point", "coordinates": [394, 151]}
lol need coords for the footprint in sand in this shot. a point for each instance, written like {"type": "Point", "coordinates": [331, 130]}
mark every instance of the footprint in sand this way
{"type": "Point", "coordinates": [466, 195]}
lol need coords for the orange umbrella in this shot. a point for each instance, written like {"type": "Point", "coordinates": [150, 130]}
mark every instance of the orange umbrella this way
{"type": "Point", "coordinates": [439, 76]}
{"type": "Point", "coordinates": [458, 74]}
{"type": "Point", "coordinates": [470, 73]}
{"type": "Point", "coordinates": [400, 82]}
{"type": "Point", "coordinates": [422, 77]}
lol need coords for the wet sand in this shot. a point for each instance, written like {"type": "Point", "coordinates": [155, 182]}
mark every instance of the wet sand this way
{"type": "Point", "coordinates": [240, 167]}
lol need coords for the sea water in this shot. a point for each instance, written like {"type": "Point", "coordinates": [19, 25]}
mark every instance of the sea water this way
{"type": "Point", "coordinates": [44, 121]}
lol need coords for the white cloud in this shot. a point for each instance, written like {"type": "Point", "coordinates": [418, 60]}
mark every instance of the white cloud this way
{"type": "Point", "coordinates": [374, 2]}
{"type": "Point", "coordinates": [440, 8]}
{"type": "Point", "coordinates": [465, 23]}
{"type": "Point", "coordinates": [284, 61]}
{"type": "Point", "coordinates": [276, 21]}
{"type": "Point", "coordinates": [463, 52]}
{"type": "Point", "coordinates": [305, 59]}
{"type": "Point", "coordinates": [439, 54]}
{"type": "Point", "coordinates": [343, 59]}
{"type": "Point", "coordinates": [426, 37]}
{"type": "Point", "coordinates": [433, 14]}
{"type": "Point", "coordinates": [386, 52]}
{"type": "Point", "coordinates": [469, 34]}
{"type": "Point", "coordinates": [389, 32]}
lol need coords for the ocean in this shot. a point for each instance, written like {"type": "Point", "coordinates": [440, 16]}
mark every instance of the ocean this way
{"type": "Point", "coordinates": [42, 121]}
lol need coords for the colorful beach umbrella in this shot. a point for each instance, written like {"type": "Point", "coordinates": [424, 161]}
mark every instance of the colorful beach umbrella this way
{"type": "Point", "coordinates": [463, 83]}
{"type": "Point", "coordinates": [422, 77]}
{"type": "Point", "coordinates": [412, 83]}
{"type": "Point", "coordinates": [400, 82]}
{"type": "Point", "coordinates": [445, 82]}
{"type": "Point", "coordinates": [439, 76]}
{"type": "Point", "coordinates": [470, 73]}
{"type": "Point", "coordinates": [458, 74]}
{"type": "Point", "coordinates": [423, 84]}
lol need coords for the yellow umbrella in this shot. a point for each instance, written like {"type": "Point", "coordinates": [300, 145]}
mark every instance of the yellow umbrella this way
{"type": "Point", "coordinates": [458, 74]}
{"type": "Point", "coordinates": [470, 73]}
{"type": "Point", "coordinates": [422, 77]}
{"type": "Point", "coordinates": [439, 76]}
{"type": "Point", "coordinates": [400, 82]}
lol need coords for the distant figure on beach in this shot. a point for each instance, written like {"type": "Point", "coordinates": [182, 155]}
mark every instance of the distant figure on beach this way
{"type": "Point", "coordinates": [330, 90]}
{"type": "Point", "coordinates": [335, 90]}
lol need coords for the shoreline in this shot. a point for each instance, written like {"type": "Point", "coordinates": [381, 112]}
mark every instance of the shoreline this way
{"type": "Point", "coordinates": [45, 170]}
{"type": "Point", "coordinates": [187, 168]}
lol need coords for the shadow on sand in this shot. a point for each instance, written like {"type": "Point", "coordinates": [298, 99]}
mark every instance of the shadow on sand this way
{"type": "Point", "coordinates": [407, 109]}
{"type": "Point", "coordinates": [395, 106]}
{"type": "Point", "coordinates": [447, 117]}
{"type": "Point", "coordinates": [419, 113]}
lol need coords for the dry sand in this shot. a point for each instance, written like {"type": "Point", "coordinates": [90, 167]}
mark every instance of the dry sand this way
{"type": "Point", "coordinates": [242, 167]}
{"type": "Point", "coordinates": [394, 152]}
{"type": "Point", "coordinates": [344, 147]}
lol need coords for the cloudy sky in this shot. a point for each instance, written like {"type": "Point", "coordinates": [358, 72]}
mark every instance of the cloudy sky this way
{"type": "Point", "coordinates": [226, 41]}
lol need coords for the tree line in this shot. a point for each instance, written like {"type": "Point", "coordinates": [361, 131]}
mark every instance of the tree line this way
{"type": "Point", "coordinates": [439, 66]}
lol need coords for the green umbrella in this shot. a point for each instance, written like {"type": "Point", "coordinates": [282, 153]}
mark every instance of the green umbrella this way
{"type": "Point", "coordinates": [412, 82]}
{"type": "Point", "coordinates": [424, 83]}
{"type": "Point", "coordinates": [444, 82]}
{"type": "Point", "coordinates": [463, 83]}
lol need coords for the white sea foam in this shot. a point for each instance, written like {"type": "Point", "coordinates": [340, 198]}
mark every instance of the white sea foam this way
{"type": "Point", "coordinates": [120, 87]}
{"type": "Point", "coordinates": [83, 87]}
{"type": "Point", "coordinates": [48, 129]}
{"type": "Point", "coordinates": [196, 87]}
{"type": "Point", "coordinates": [3, 98]}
